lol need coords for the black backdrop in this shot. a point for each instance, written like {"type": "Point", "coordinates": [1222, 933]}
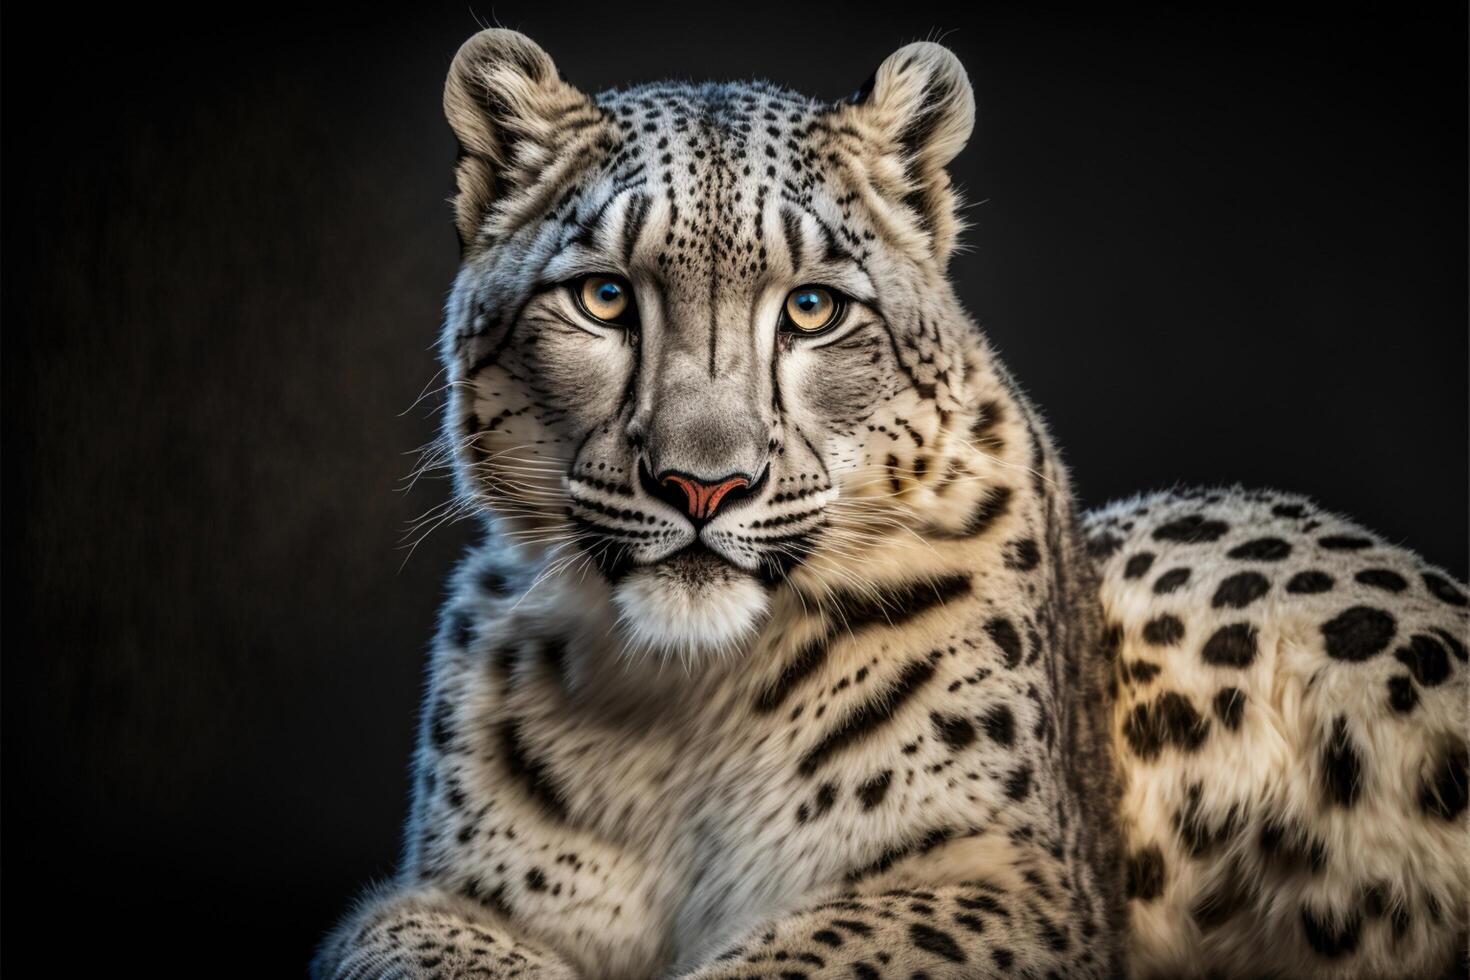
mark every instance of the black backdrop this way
{"type": "Point", "coordinates": [1216, 246]}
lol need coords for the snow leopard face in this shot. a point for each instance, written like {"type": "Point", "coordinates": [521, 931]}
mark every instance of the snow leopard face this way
{"type": "Point", "coordinates": [702, 338]}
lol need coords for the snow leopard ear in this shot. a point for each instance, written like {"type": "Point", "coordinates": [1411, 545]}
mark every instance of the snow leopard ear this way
{"type": "Point", "coordinates": [506, 104]}
{"type": "Point", "coordinates": [917, 111]}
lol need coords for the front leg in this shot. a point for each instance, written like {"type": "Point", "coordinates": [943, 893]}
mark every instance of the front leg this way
{"type": "Point", "coordinates": [413, 933]}
{"type": "Point", "coordinates": [968, 931]}
{"type": "Point", "coordinates": [978, 905]}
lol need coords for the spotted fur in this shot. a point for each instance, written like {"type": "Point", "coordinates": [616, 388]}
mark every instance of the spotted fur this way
{"type": "Point", "coordinates": [1293, 743]}
{"type": "Point", "coordinates": [858, 723]}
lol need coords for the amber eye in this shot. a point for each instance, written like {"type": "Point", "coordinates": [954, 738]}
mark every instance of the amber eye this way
{"type": "Point", "coordinates": [811, 309]}
{"type": "Point", "coordinates": [606, 298]}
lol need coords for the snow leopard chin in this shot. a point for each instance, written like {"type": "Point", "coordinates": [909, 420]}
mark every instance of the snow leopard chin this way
{"type": "Point", "coordinates": [692, 604]}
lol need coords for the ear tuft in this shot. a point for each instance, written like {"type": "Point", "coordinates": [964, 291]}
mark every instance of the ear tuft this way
{"type": "Point", "coordinates": [920, 108]}
{"type": "Point", "coordinates": [502, 99]}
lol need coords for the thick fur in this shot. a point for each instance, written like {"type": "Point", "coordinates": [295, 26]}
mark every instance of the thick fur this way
{"type": "Point", "coordinates": [1292, 725]}
{"type": "Point", "coordinates": [860, 723]}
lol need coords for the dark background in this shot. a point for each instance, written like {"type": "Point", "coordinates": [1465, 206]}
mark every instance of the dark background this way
{"type": "Point", "coordinates": [1216, 246]}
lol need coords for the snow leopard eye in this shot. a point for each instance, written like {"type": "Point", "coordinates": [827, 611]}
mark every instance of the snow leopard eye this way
{"type": "Point", "coordinates": [608, 299]}
{"type": "Point", "coordinates": [811, 309]}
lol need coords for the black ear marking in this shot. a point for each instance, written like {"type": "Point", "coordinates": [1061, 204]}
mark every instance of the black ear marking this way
{"type": "Point", "coordinates": [938, 94]}
{"type": "Point", "coordinates": [916, 135]}
{"type": "Point", "coordinates": [920, 109]}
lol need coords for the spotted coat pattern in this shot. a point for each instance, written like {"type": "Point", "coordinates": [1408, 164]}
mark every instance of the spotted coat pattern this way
{"type": "Point", "coordinates": [856, 726]}
{"type": "Point", "coordinates": [1292, 726]}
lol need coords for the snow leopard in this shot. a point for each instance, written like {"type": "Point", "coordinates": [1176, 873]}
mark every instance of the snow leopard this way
{"type": "Point", "coordinates": [786, 650]}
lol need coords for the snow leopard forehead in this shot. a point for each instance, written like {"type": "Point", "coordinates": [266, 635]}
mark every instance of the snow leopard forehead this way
{"type": "Point", "coordinates": [724, 156]}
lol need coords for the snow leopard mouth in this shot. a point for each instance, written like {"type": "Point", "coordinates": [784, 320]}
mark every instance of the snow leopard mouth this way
{"type": "Point", "coordinates": [760, 547]}
{"type": "Point", "coordinates": [697, 564]}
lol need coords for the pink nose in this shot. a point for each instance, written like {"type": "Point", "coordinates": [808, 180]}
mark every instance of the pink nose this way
{"type": "Point", "coordinates": [702, 499]}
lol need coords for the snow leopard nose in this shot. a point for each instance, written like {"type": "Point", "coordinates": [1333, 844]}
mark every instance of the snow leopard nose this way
{"type": "Point", "coordinates": [701, 498]}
